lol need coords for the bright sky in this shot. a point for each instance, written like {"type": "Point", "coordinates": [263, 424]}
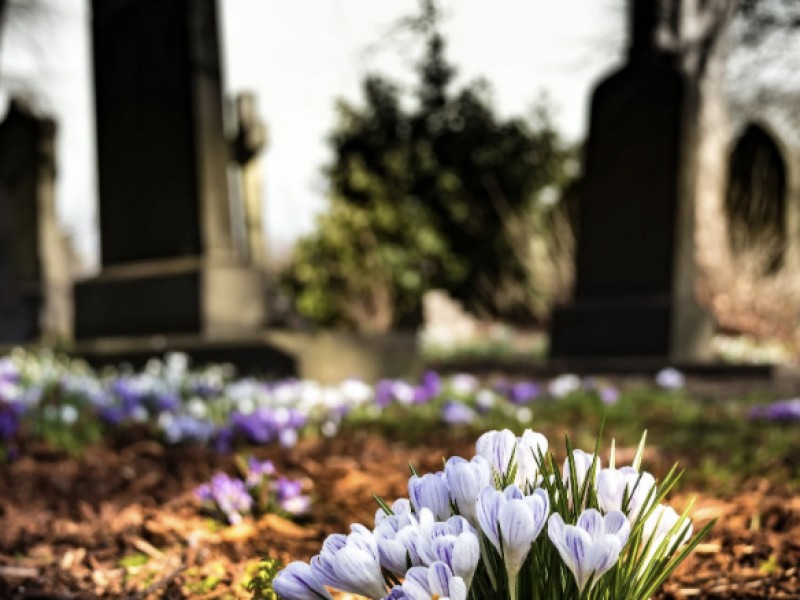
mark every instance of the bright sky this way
{"type": "Point", "coordinates": [299, 56]}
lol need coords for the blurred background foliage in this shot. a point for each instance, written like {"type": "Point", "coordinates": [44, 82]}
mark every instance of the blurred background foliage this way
{"type": "Point", "coordinates": [430, 188]}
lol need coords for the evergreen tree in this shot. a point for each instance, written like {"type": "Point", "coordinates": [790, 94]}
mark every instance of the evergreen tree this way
{"type": "Point", "coordinates": [425, 198]}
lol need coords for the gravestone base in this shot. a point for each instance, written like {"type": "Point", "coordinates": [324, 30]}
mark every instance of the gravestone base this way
{"type": "Point", "coordinates": [180, 296]}
{"type": "Point", "coordinates": [327, 357]}
{"type": "Point", "coordinates": [20, 313]}
{"type": "Point", "coordinates": [613, 327]}
{"type": "Point", "coordinates": [251, 354]}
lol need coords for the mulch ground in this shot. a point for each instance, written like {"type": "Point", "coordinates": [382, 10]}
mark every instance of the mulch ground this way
{"type": "Point", "coordinates": [67, 524]}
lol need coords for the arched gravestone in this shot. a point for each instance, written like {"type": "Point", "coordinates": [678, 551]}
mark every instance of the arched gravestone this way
{"type": "Point", "coordinates": [755, 199]}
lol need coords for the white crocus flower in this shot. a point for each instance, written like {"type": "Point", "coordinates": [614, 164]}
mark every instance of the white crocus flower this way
{"type": "Point", "coordinates": [512, 522]}
{"type": "Point", "coordinates": [662, 521]}
{"type": "Point", "coordinates": [298, 582]}
{"type": "Point", "coordinates": [398, 537]}
{"type": "Point", "coordinates": [400, 506]}
{"type": "Point", "coordinates": [614, 485]}
{"type": "Point", "coordinates": [529, 447]}
{"type": "Point", "coordinates": [592, 546]}
{"type": "Point", "coordinates": [583, 464]}
{"type": "Point", "coordinates": [351, 563]}
{"type": "Point", "coordinates": [563, 385]}
{"type": "Point", "coordinates": [659, 531]}
{"type": "Point", "coordinates": [460, 552]}
{"type": "Point", "coordinates": [434, 582]}
{"type": "Point", "coordinates": [497, 448]}
{"type": "Point", "coordinates": [465, 481]}
{"type": "Point", "coordinates": [430, 491]}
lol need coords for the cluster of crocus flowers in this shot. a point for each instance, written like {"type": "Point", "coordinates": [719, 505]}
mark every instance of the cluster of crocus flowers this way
{"type": "Point", "coordinates": [258, 491]}
{"type": "Point", "coordinates": [509, 523]}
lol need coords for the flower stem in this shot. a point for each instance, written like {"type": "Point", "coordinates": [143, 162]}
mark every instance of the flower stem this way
{"type": "Point", "coordinates": [512, 587]}
{"type": "Point", "coordinates": [485, 559]}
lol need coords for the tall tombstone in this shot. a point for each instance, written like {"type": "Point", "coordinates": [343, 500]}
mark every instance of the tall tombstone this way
{"type": "Point", "coordinates": [170, 261]}
{"type": "Point", "coordinates": [636, 261]}
{"type": "Point", "coordinates": [35, 298]}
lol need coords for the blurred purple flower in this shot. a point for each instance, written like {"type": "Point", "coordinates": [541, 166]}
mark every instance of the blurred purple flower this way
{"type": "Point", "coordinates": [260, 468]}
{"type": "Point", "coordinates": [608, 395]}
{"type": "Point", "coordinates": [9, 422]}
{"type": "Point", "coordinates": [429, 388]}
{"type": "Point", "coordinates": [8, 370]}
{"type": "Point", "coordinates": [167, 401]}
{"type": "Point", "coordinates": [457, 413]}
{"type": "Point", "coordinates": [185, 428]}
{"type": "Point", "coordinates": [267, 425]}
{"type": "Point", "coordinates": [129, 394]}
{"type": "Point", "coordinates": [787, 411]}
{"type": "Point", "coordinates": [223, 439]}
{"type": "Point", "coordinates": [204, 388]}
{"type": "Point", "coordinates": [288, 493]}
{"type": "Point", "coordinates": [229, 495]}
{"type": "Point", "coordinates": [523, 392]}
{"type": "Point", "coordinates": [112, 415]}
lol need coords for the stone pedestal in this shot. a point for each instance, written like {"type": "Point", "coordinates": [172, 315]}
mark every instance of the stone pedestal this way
{"type": "Point", "coordinates": [177, 296]}
{"type": "Point", "coordinates": [170, 261]}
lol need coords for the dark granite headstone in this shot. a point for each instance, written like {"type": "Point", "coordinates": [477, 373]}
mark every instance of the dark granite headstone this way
{"type": "Point", "coordinates": [635, 268]}
{"type": "Point", "coordinates": [170, 261]}
{"type": "Point", "coordinates": [34, 291]}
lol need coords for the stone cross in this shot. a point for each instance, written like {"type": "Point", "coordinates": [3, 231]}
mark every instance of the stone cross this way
{"type": "Point", "coordinates": [681, 33]}
{"type": "Point", "coordinates": [250, 141]}
{"type": "Point", "coordinates": [35, 286]}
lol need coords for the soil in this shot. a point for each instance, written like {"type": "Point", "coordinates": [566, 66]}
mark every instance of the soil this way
{"type": "Point", "coordinates": [121, 521]}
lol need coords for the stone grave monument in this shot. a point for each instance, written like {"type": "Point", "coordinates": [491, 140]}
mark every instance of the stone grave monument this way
{"type": "Point", "coordinates": [174, 271]}
{"type": "Point", "coordinates": [635, 296]}
{"type": "Point", "coordinates": [35, 284]}
{"type": "Point", "coordinates": [170, 264]}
